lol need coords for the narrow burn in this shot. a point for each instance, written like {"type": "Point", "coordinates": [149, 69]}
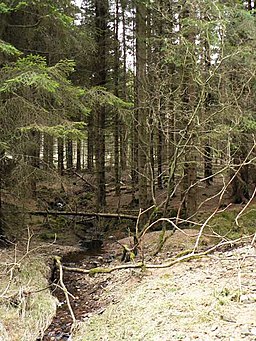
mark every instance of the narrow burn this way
{"type": "Point", "coordinates": [86, 294]}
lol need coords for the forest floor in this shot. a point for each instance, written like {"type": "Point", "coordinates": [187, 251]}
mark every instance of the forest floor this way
{"type": "Point", "coordinates": [209, 298]}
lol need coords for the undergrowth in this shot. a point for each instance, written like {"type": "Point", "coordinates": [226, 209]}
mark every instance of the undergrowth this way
{"type": "Point", "coordinates": [25, 309]}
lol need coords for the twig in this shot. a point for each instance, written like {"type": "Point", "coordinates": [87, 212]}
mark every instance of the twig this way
{"type": "Point", "coordinates": [253, 239]}
{"type": "Point", "coordinates": [63, 287]}
{"type": "Point", "coordinates": [245, 207]}
{"type": "Point", "coordinates": [86, 181]}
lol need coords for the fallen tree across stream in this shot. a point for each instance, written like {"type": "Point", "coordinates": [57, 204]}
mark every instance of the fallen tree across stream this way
{"type": "Point", "coordinates": [83, 214]}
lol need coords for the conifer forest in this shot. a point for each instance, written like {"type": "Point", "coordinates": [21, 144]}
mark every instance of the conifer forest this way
{"type": "Point", "coordinates": [128, 118]}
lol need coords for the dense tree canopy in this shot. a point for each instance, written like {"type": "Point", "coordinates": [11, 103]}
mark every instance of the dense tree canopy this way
{"type": "Point", "coordinates": [160, 91]}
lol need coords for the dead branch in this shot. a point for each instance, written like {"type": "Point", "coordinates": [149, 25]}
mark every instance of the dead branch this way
{"type": "Point", "coordinates": [245, 207]}
{"type": "Point", "coordinates": [63, 287]}
{"type": "Point", "coordinates": [179, 258]}
{"type": "Point", "coordinates": [84, 180]}
{"type": "Point", "coordinates": [26, 26]}
{"type": "Point", "coordinates": [84, 214]}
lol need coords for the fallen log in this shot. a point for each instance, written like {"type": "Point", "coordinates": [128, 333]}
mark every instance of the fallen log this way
{"type": "Point", "coordinates": [83, 214]}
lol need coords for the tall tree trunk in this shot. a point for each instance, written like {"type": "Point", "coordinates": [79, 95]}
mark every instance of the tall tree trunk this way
{"type": "Point", "coordinates": [101, 11]}
{"type": "Point", "coordinates": [134, 131]}
{"type": "Point", "coordinates": [2, 153]}
{"type": "Point", "coordinates": [208, 172]}
{"type": "Point", "coordinates": [152, 159]}
{"type": "Point", "coordinates": [240, 184]}
{"type": "Point", "coordinates": [208, 152]}
{"type": "Point", "coordinates": [189, 187]}
{"type": "Point", "coordinates": [123, 142]}
{"type": "Point", "coordinates": [116, 92]}
{"type": "Point", "coordinates": [160, 144]}
{"type": "Point", "coordinates": [190, 158]}
{"type": "Point", "coordinates": [142, 112]}
{"type": "Point", "coordinates": [134, 157]}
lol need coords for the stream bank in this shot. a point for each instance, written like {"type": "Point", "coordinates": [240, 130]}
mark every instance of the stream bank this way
{"type": "Point", "coordinates": [207, 299]}
{"type": "Point", "coordinates": [86, 292]}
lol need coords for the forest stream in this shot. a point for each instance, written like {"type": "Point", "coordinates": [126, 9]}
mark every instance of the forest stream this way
{"type": "Point", "coordinates": [85, 293]}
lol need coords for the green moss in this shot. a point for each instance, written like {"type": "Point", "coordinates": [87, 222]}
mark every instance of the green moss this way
{"type": "Point", "coordinates": [224, 224]}
{"type": "Point", "coordinates": [48, 236]}
{"type": "Point", "coordinates": [247, 221]}
{"type": "Point", "coordinates": [87, 196]}
{"type": "Point", "coordinates": [57, 224]}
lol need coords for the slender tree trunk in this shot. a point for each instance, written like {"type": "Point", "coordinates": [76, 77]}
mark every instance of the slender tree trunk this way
{"type": "Point", "coordinates": [101, 9]}
{"type": "Point", "coordinates": [208, 153]}
{"type": "Point", "coordinates": [34, 158]}
{"type": "Point", "coordinates": [189, 180]}
{"type": "Point", "coordinates": [48, 151]}
{"type": "Point", "coordinates": [190, 138]}
{"type": "Point", "coordinates": [208, 172]}
{"type": "Point", "coordinates": [134, 156]}
{"type": "Point", "coordinates": [60, 155]}
{"type": "Point", "coordinates": [78, 155]}
{"type": "Point", "coordinates": [116, 92]}
{"type": "Point", "coordinates": [134, 133]}
{"type": "Point", "coordinates": [123, 139]}
{"type": "Point", "coordinates": [1, 186]}
{"type": "Point", "coordinates": [69, 154]}
{"type": "Point", "coordinates": [142, 112]}
{"type": "Point", "coordinates": [151, 126]}
{"type": "Point", "coordinates": [90, 142]}
{"type": "Point", "coordinates": [240, 184]}
{"type": "Point", "coordinates": [160, 148]}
